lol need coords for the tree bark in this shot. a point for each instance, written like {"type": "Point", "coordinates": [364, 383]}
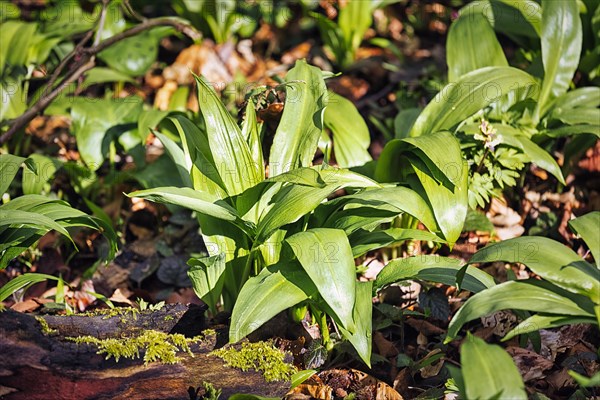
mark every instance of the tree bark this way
{"type": "Point", "coordinates": [34, 365]}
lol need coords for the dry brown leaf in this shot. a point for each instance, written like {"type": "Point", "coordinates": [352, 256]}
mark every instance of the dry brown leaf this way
{"type": "Point", "coordinates": [531, 364]}
{"type": "Point", "coordinates": [384, 347]}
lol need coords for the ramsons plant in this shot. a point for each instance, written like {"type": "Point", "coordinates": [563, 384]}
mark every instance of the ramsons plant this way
{"type": "Point", "coordinates": [274, 239]}
{"type": "Point", "coordinates": [505, 116]}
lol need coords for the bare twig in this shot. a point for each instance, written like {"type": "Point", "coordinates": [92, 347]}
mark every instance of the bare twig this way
{"type": "Point", "coordinates": [88, 62]}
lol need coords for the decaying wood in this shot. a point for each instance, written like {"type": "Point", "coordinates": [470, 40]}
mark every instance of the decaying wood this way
{"type": "Point", "coordinates": [38, 366]}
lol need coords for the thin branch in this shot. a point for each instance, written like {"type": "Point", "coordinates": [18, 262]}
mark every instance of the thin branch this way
{"type": "Point", "coordinates": [86, 63]}
{"type": "Point", "coordinates": [176, 23]}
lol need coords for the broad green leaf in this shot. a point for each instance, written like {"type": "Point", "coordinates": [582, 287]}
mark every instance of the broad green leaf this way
{"type": "Point", "coordinates": [522, 18]}
{"type": "Point", "coordinates": [470, 93]}
{"type": "Point", "coordinates": [471, 45]}
{"type": "Point", "coordinates": [134, 56]}
{"type": "Point", "coordinates": [584, 97]}
{"type": "Point", "coordinates": [549, 259]}
{"type": "Point", "coordinates": [592, 381]}
{"type": "Point", "coordinates": [346, 178]}
{"type": "Point", "coordinates": [148, 121]}
{"type": "Point", "coordinates": [301, 376]}
{"type": "Point", "coordinates": [587, 226]}
{"type": "Point", "coordinates": [572, 130]}
{"type": "Point", "coordinates": [275, 289]}
{"type": "Point", "coordinates": [198, 161]}
{"type": "Point", "coordinates": [33, 183]}
{"type": "Point", "coordinates": [378, 204]}
{"type": "Point", "coordinates": [576, 116]}
{"type": "Point", "coordinates": [251, 133]}
{"type": "Point", "coordinates": [290, 203]}
{"type": "Point", "coordinates": [14, 100]}
{"type": "Point", "coordinates": [539, 321]}
{"type": "Point", "coordinates": [28, 202]}
{"type": "Point", "coordinates": [297, 135]}
{"type": "Point", "coordinates": [177, 155]}
{"type": "Point", "coordinates": [520, 295]}
{"type": "Point", "coordinates": [230, 151]}
{"type": "Point", "coordinates": [201, 202]}
{"type": "Point", "coordinates": [103, 75]}
{"type": "Point", "coordinates": [96, 122]}
{"type": "Point", "coordinates": [326, 256]}
{"type": "Point", "coordinates": [561, 48]}
{"type": "Point", "coordinates": [489, 372]}
{"type": "Point", "coordinates": [9, 166]}
{"type": "Point", "coordinates": [206, 275]}
{"type": "Point", "coordinates": [536, 154]}
{"type": "Point", "coordinates": [440, 176]}
{"type": "Point", "coordinates": [30, 219]}
{"type": "Point", "coordinates": [354, 20]}
{"type": "Point", "coordinates": [23, 281]}
{"type": "Point", "coordinates": [300, 176]}
{"type": "Point", "coordinates": [363, 241]}
{"type": "Point", "coordinates": [361, 340]}
{"type": "Point", "coordinates": [435, 269]}
{"type": "Point", "coordinates": [351, 137]}
{"type": "Point", "coordinates": [404, 121]}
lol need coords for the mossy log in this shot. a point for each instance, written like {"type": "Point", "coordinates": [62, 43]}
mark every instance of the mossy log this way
{"type": "Point", "coordinates": [37, 361]}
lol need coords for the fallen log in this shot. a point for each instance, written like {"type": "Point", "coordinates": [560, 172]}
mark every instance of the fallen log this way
{"type": "Point", "coordinates": [37, 361]}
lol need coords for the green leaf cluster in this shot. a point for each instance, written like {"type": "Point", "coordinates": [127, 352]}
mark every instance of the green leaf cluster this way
{"type": "Point", "coordinates": [278, 242]}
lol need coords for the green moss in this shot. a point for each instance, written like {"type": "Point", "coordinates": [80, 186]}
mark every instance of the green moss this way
{"type": "Point", "coordinates": [261, 356]}
{"type": "Point", "coordinates": [46, 330]}
{"type": "Point", "coordinates": [168, 318]}
{"type": "Point", "coordinates": [157, 346]}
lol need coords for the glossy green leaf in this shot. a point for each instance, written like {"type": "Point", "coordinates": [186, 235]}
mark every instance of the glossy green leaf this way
{"type": "Point", "coordinates": [520, 295]}
{"type": "Point", "coordinates": [94, 119]}
{"type": "Point", "coordinates": [30, 219]}
{"type": "Point", "coordinates": [198, 158]}
{"type": "Point", "coordinates": [361, 339]}
{"type": "Point", "coordinates": [351, 137]}
{"type": "Point", "coordinates": [9, 166]}
{"type": "Point", "coordinates": [133, 56]}
{"type": "Point", "coordinates": [326, 256]}
{"type": "Point", "coordinates": [592, 381]}
{"type": "Point", "coordinates": [540, 321]}
{"type": "Point", "coordinates": [435, 269]}
{"type": "Point", "coordinates": [177, 155]}
{"type": "Point", "coordinates": [206, 275]}
{"type": "Point", "coordinates": [471, 45]}
{"type": "Point", "coordinates": [301, 376]}
{"type": "Point", "coordinates": [103, 75]}
{"type": "Point", "coordinates": [363, 241]}
{"type": "Point", "coordinates": [33, 183]}
{"type": "Point", "coordinates": [576, 116]}
{"type": "Point", "coordinates": [295, 144]}
{"type": "Point", "coordinates": [290, 203]}
{"type": "Point", "coordinates": [587, 226]}
{"type": "Point", "coordinates": [549, 259]}
{"type": "Point", "coordinates": [23, 281]}
{"type": "Point", "coordinates": [356, 211]}
{"type": "Point", "coordinates": [561, 48]}
{"type": "Point", "coordinates": [189, 198]}
{"type": "Point", "coordinates": [470, 93]}
{"type": "Point", "coordinates": [148, 121]}
{"type": "Point", "coordinates": [584, 97]}
{"type": "Point", "coordinates": [489, 372]}
{"type": "Point", "coordinates": [230, 151]}
{"type": "Point", "coordinates": [572, 130]}
{"type": "Point", "coordinates": [522, 18]}
{"type": "Point", "coordinates": [289, 284]}
{"type": "Point", "coordinates": [251, 133]}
